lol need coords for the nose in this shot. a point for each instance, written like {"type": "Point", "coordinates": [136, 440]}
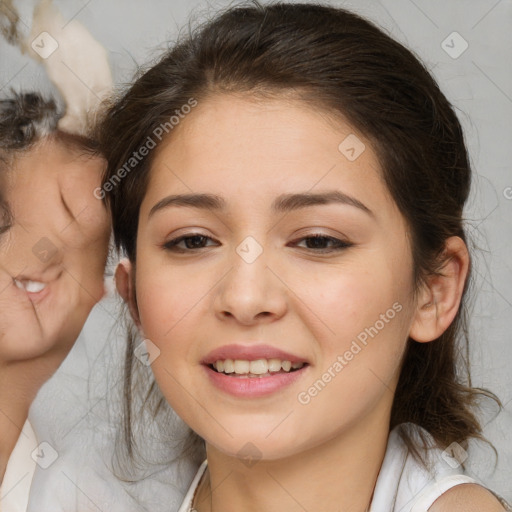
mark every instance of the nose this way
{"type": "Point", "coordinates": [251, 293]}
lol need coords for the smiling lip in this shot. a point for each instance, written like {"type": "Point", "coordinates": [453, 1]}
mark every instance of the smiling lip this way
{"type": "Point", "coordinates": [243, 386]}
{"type": "Point", "coordinates": [47, 277]}
{"type": "Point", "coordinates": [250, 353]}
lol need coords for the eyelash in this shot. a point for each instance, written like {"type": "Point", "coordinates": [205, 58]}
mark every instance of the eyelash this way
{"type": "Point", "coordinates": [339, 245]}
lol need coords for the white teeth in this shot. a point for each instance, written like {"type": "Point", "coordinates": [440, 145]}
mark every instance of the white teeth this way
{"type": "Point", "coordinates": [30, 286]}
{"type": "Point", "coordinates": [274, 365]}
{"type": "Point", "coordinates": [34, 286]}
{"type": "Point", "coordinates": [259, 367]}
{"type": "Point", "coordinates": [241, 366]}
{"type": "Point", "coordinates": [256, 367]}
{"type": "Point", "coordinates": [229, 367]}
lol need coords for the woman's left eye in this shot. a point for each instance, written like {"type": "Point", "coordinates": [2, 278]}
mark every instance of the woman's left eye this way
{"type": "Point", "coordinates": [317, 243]}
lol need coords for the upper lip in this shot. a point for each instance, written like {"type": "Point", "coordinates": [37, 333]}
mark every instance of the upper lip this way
{"type": "Point", "coordinates": [250, 353]}
{"type": "Point", "coordinates": [45, 276]}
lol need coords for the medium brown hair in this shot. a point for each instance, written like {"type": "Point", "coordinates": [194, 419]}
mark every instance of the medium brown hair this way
{"type": "Point", "coordinates": [345, 66]}
{"type": "Point", "coordinates": [27, 118]}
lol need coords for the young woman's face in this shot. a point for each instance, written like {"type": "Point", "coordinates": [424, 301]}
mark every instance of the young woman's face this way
{"type": "Point", "coordinates": [228, 273]}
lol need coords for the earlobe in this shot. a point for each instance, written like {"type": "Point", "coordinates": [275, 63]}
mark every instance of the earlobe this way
{"type": "Point", "coordinates": [124, 283]}
{"type": "Point", "coordinates": [439, 299]}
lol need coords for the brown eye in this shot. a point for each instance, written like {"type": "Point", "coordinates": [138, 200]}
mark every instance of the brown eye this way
{"type": "Point", "coordinates": [323, 243]}
{"type": "Point", "coordinates": [189, 242]}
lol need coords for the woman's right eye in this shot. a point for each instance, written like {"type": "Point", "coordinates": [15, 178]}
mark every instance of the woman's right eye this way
{"type": "Point", "coordinates": [189, 243]}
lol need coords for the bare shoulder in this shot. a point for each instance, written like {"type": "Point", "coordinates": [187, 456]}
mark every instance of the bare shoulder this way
{"type": "Point", "coordinates": [467, 498]}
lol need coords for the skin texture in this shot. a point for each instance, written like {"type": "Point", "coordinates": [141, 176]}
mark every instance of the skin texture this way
{"type": "Point", "coordinates": [466, 498]}
{"type": "Point", "coordinates": [293, 296]}
{"type": "Point", "coordinates": [59, 236]}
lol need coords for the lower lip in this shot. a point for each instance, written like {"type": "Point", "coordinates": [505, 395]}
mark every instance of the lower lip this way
{"type": "Point", "coordinates": [39, 296]}
{"type": "Point", "coordinates": [253, 387]}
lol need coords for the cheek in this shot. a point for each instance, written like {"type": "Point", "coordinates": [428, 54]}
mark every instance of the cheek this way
{"type": "Point", "coordinates": [18, 249]}
{"type": "Point", "coordinates": [168, 304]}
{"type": "Point", "coordinates": [359, 355]}
{"type": "Point", "coordinates": [366, 312]}
{"type": "Point", "coordinates": [348, 301]}
{"type": "Point", "coordinates": [167, 300]}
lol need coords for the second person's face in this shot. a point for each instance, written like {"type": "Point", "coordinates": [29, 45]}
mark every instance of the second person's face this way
{"type": "Point", "coordinates": [55, 249]}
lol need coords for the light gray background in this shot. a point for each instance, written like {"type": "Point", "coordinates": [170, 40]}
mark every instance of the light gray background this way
{"type": "Point", "coordinates": [478, 83]}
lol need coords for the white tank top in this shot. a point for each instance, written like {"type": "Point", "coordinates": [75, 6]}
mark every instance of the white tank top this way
{"type": "Point", "coordinates": [403, 483]}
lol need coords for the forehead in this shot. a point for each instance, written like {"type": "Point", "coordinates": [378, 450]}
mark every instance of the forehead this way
{"type": "Point", "coordinates": [46, 158]}
{"type": "Point", "coordinates": [38, 179]}
{"type": "Point", "coordinates": [238, 147]}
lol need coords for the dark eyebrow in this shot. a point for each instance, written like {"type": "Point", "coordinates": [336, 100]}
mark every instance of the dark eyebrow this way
{"type": "Point", "coordinates": [203, 201]}
{"type": "Point", "coordinates": [283, 203]}
{"type": "Point", "coordinates": [289, 202]}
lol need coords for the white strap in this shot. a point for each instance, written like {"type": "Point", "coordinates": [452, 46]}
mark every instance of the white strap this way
{"type": "Point", "coordinates": [186, 506]}
{"type": "Point", "coordinates": [430, 494]}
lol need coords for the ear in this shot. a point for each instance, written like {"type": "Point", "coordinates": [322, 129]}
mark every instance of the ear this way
{"type": "Point", "coordinates": [439, 299]}
{"type": "Point", "coordinates": [125, 284]}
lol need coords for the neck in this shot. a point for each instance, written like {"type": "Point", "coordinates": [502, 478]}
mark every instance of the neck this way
{"type": "Point", "coordinates": [343, 470]}
{"type": "Point", "coordinates": [19, 383]}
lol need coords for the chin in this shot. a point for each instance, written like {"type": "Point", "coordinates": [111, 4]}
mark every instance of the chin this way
{"type": "Point", "coordinates": [250, 447]}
